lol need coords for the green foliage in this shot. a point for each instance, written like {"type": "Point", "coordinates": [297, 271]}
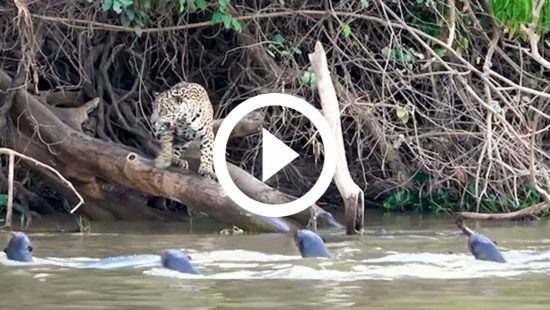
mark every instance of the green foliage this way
{"type": "Point", "coordinates": [447, 200]}
{"type": "Point", "coordinates": [425, 17]}
{"type": "Point", "coordinates": [544, 21]}
{"type": "Point", "coordinates": [136, 13]}
{"type": "Point", "coordinates": [404, 55]}
{"type": "Point", "coordinates": [514, 13]}
{"type": "Point", "coordinates": [228, 21]}
{"type": "Point", "coordinates": [413, 199]}
{"type": "Point", "coordinates": [3, 200]}
{"type": "Point", "coordinates": [280, 47]}
{"type": "Point", "coordinates": [346, 30]}
{"type": "Point", "coordinates": [308, 78]}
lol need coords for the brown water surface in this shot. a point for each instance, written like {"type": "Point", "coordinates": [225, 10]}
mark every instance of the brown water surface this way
{"type": "Point", "coordinates": [402, 262]}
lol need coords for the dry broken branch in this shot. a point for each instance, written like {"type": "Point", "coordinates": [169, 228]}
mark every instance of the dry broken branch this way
{"type": "Point", "coordinates": [35, 162]}
{"type": "Point", "coordinates": [352, 194]}
{"type": "Point", "coordinates": [530, 211]}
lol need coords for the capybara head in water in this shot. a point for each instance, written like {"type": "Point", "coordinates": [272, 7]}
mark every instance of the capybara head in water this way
{"type": "Point", "coordinates": [19, 248]}
{"type": "Point", "coordinates": [310, 244]}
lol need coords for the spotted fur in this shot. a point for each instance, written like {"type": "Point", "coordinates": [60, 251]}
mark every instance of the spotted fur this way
{"type": "Point", "coordinates": [180, 115]}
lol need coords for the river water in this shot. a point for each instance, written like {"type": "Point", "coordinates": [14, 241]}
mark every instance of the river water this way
{"type": "Point", "coordinates": [401, 262]}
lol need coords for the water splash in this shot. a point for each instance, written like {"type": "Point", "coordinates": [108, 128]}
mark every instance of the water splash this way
{"type": "Point", "coordinates": [243, 265]}
{"type": "Point", "coordinates": [254, 265]}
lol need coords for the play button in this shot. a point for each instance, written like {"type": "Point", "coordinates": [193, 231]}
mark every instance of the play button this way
{"type": "Point", "coordinates": [275, 155]}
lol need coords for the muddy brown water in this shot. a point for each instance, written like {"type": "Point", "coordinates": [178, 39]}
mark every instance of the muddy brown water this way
{"type": "Point", "coordinates": [402, 262]}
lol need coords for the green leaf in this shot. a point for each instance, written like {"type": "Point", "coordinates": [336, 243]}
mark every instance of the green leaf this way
{"type": "Point", "coordinates": [441, 52]}
{"type": "Point", "coordinates": [124, 20]}
{"type": "Point", "coordinates": [223, 5]}
{"type": "Point", "coordinates": [191, 7]}
{"type": "Point", "coordinates": [296, 51]}
{"type": "Point", "coordinates": [182, 5]}
{"type": "Point", "coordinates": [236, 24]}
{"type": "Point", "coordinates": [400, 198]}
{"type": "Point", "coordinates": [346, 30]}
{"type": "Point", "coordinates": [365, 3]}
{"type": "Point", "coordinates": [217, 18]}
{"type": "Point", "coordinates": [117, 6]}
{"type": "Point", "coordinates": [201, 4]}
{"type": "Point", "coordinates": [279, 38]}
{"type": "Point", "coordinates": [309, 78]}
{"type": "Point", "coordinates": [226, 21]}
{"type": "Point", "coordinates": [147, 5]}
{"type": "Point", "coordinates": [138, 31]}
{"type": "Point", "coordinates": [421, 178]}
{"type": "Point", "coordinates": [107, 5]}
{"type": "Point", "coordinates": [131, 14]}
{"type": "Point", "coordinates": [139, 22]}
{"type": "Point", "coordinates": [405, 55]}
{"type": "Point", "coordinates": [3, 200]}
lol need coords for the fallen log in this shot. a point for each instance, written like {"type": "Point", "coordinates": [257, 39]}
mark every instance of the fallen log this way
{"type": "Point", "coordinates": [79, 109]}
{"type": "Point", "coordinates": [74, 117]}
{"type": "Point", "coordinates": [65, 99]}
{"type": "Point", "coordinates": [532, 211]}
{"type": "Point", "coordinates": [102, 202]}
{"type": "Point", "coordinates": [198, 193]}
{"type": "Point", "coordinates": [86, 160]}
{"type": "Point", "coordinates": [253, 187]}
{"type": "Point", "coordinates": [248, 125]}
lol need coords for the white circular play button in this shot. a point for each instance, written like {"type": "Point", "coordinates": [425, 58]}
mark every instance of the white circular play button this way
{"type": "Point", "coordinates": [275, 155]}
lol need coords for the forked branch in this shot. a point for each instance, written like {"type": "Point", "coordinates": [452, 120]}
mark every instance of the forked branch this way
{"type": "Point", "coordinates": [11, 153]}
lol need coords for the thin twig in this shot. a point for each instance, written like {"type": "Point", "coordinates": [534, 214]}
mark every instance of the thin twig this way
{"type": "Point", "coordinates": [11, 172]}
{"type": "Point", "coordinates": [13, 153]}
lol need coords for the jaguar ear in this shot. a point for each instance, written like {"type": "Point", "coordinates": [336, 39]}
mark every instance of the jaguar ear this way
{"type": "Point", "coordinates": [155, 94]}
